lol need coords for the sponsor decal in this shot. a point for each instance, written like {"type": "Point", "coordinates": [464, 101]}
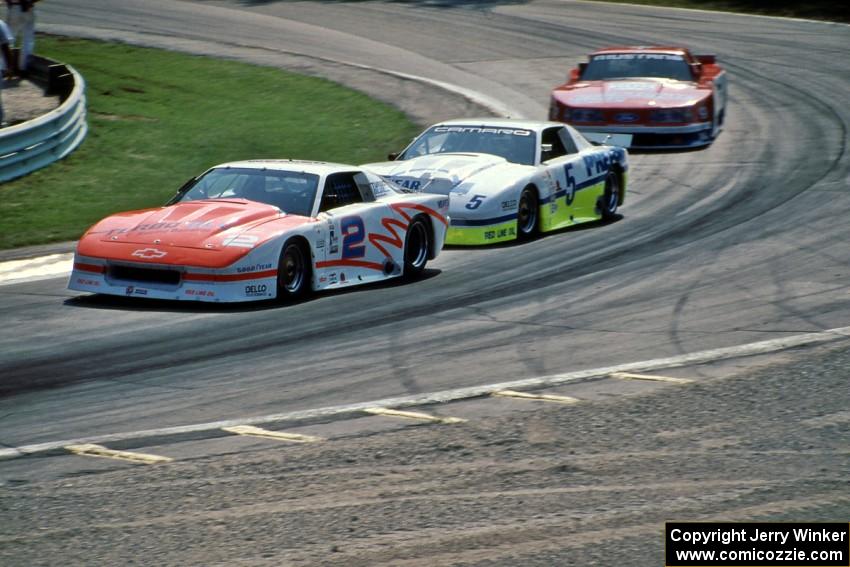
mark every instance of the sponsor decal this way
{"type": "Point", "coordinates": [256, 290]}
{"type": "Point", "coordinates": [626, 117]}
{"type": "Point", "coordinates": [501, 233]}
{"type": "Point", "coordinates": [86, 281]}
{"type": "Point", "coordinates": [332, 278]}
{"type": "Point", "coordinates": [483, 130]}
{"type": "Point", "coordinates": [342, 277]}
{"type": "Point", "coordinates": [200, 292]}
{"type": "Point", "coordinates": [412, 184]}
{"type": "Point", "coordinates": [509, 205]}
{"type": "Point", "coordinates": [320, 243]}
{"type": "Point", "coordinates": [254, 268]}
{"type": "Point", "coordinates": [333, 241]}
{"type": "Point", "coordinates": [638, 56]}
{"type": "Point", "coordinates": [149, 253]}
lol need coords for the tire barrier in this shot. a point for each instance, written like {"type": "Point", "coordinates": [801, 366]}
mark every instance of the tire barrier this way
{"type": "Point", "coordinates": [37, 143]}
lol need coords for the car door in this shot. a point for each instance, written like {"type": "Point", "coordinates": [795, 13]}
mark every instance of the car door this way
{"type": "Point", "coordinates": [353, 220]}
{"type": "Point", "coordinates": [580, 176]}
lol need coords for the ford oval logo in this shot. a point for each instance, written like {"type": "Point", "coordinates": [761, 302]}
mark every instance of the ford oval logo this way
{"type": "Point", "coordinates": [626, 117]}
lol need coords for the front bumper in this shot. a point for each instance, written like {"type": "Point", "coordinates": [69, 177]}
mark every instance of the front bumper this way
{"type": "Point", "coordinates": [651, 137]}
{"type": "Point", "coordinates": [158, 281]}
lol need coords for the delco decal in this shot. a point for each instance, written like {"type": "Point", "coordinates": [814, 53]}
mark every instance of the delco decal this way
{"type": "Point", "coordinates": [254, 268]}
{"type": "Point", "coordinates": [149, 253]}
{"type": "Point", "coordinates": [256, 290]}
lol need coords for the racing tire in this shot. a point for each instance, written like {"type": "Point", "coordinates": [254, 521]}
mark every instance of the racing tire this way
{"type": "Point", "coordinates": [293, 271]}
{"type": "Point", "coordinates": [609, 202]}
{"type": "Point", "coordinates": [528, 214]}
{"type": "Point", "coordinates": [417, 247]}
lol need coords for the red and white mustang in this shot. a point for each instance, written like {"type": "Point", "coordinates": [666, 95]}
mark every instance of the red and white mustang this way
{"type": "Point", "coordinates": [255, 230]}
{"type": "Point", "coordinates": [644, 97]}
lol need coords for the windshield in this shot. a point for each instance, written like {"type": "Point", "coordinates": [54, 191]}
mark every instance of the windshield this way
{"type": "Point", "coordinates": [514, 144]}
{"type": "Point", "coordinates": [290, 191]}
{"type": "Point", "coordinates": [631, 65]}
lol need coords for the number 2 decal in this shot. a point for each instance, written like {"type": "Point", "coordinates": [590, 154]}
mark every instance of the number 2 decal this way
{"type": "Point", "coordinates": [353, 234]}
{"type": "Point", "coordinates": [475, 202]}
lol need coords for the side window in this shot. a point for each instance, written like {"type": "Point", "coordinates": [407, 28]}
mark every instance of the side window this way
{"type": "Point", "coordinates": [365, 186]}
{"type": "Point", "coordinates": [340, 190]}
{"type": "Point", "coordinates": [551, 144]}
{"type": "Point", "coordinates": [567, 140]}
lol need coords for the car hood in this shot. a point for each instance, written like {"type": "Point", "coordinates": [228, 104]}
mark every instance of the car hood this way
{"type": "Point", "coordinates": [437, 173]}
{"type": "Point", "coordinates": [632, 93]}
{"type": "Point", "coordinates": [230, 228]}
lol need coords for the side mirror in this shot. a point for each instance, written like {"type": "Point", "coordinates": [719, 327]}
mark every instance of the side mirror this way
{"type": "Point", "coordinates": [696, 69]}
{"type": "Point", "coordinates": [182, 191]}
{"type": "Point", "coordinates": [392, 156]}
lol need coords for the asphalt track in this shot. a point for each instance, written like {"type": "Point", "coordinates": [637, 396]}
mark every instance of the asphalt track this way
{"type": "Point", "coordinates": [744, 241]}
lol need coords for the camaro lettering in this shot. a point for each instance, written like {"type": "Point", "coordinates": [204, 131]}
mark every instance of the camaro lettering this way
{"type": "Point", "coordinates": [480, 130]}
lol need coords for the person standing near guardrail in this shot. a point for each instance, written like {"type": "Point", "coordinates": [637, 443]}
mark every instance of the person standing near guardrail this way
{"type": "Point", "coordinates": [20, 16]}
{"type": "Point", "coordinates": [8, 64]}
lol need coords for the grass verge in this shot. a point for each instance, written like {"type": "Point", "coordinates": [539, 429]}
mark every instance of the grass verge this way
{"type": "Point", "coordinates": [157, 118]}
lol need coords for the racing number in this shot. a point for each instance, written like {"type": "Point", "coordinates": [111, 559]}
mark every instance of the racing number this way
{"type": "Point", "coordinates": [571, 184]}
{"type": "Point", "coordinates": [353, 234]}
{"type": "Point", "coordinates": [475, 202]}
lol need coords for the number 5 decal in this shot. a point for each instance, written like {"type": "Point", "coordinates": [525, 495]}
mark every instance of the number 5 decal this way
{"type": "Point", "coordinates": [353, 234]}
{"type": "Point", "coordinates": [571, 184]}
{"type": "Point", "coordinates": [475, 202]}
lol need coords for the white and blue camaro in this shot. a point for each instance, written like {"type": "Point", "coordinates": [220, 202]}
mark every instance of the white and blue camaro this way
{"type": "Point", "coordinates": [510, 179]}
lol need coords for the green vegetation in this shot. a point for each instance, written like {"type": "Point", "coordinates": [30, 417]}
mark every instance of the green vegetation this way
{"type": "Point", "coordinates": [157, 118]}
{"type": "Point", "coordinates": [812, 9]}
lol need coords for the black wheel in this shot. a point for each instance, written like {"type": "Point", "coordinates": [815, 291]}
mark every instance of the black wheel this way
{"type": "Point", "coordinates": [417, 247]}
{"type": "Point", "coordinates": [293, 271]}
{"type": "Point", "coordinates": [610, 200]}
{"type": "Point", "coordinates": [527, 214]}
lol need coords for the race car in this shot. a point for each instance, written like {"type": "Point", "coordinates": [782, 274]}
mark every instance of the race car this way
{"type": "Point", "coordinates": [509, 179]}
{"type": "Point", "coordinates": [644, 97]}
{"type": "Point", "coordinates": [254, 230]}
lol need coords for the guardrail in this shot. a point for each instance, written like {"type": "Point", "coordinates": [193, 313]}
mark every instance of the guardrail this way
{"type": "Point", "coordinates": [41, 141]}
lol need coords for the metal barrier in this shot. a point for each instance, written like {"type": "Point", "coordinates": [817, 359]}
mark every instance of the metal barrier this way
{"type": "Point", "coordinates": [39, 142]}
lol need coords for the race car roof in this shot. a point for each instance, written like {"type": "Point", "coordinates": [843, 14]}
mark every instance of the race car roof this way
{"type": "Point", "coordinates": [321, 168]}
{"type": "Point", "coordinates": [535, 125]}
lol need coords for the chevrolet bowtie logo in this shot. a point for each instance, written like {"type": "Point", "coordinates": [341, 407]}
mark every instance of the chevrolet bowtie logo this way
{"type": "Point", "coordinates": [149, 253]}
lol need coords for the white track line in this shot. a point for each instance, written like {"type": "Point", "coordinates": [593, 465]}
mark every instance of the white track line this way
{"type": "Point", "coordinates": [442, 396]}
{"type": "Point", "coordinates": [31, 269]}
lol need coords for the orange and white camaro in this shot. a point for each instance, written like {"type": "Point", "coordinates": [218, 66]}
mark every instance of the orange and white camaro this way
{"type": "Point", "coordinates": [254, 230]}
